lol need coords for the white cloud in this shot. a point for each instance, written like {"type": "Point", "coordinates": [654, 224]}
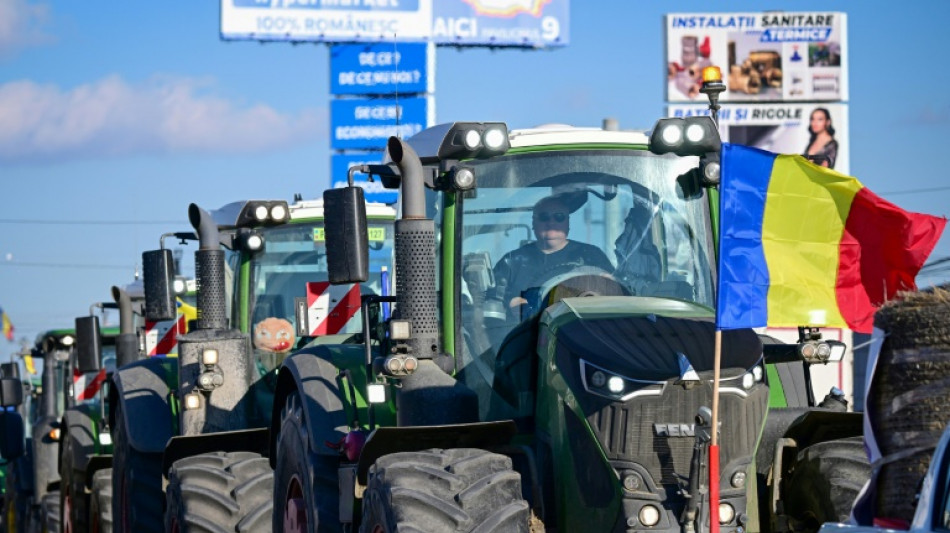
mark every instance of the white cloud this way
{"type": "Point", "coordinates": [111, 117]}
{"type": "Point", "coordinates": [20, 25]}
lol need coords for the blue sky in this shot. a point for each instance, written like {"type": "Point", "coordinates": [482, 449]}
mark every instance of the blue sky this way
{"type": "Point", "coordinates": [126, 112]}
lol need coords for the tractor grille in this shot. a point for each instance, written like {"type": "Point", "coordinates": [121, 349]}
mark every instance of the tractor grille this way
{"type": "Point", "coordinates": [627, 432]}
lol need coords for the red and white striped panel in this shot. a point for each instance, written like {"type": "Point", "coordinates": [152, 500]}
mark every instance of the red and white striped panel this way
{"type": "Point", "coordinates": [161, 338]}
{"type": "Point", "coordinates": [333, 309]}
{"type": "Point", "coordinates": [85, 386]}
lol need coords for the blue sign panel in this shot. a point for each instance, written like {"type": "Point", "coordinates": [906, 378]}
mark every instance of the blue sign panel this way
{"type": "Point", "coordinates": [378, 68]}
{"type": "Point", "coordinates": [366, 124]}
{"type": "Point", "coordinates": [530, 23]}
{"type": "Point", "coordinates": [373, 191]}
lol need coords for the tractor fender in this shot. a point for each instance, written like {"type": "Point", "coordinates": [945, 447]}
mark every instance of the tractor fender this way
{"type": "Point", "coordinates": [79, 424]}
{"type": "Point", "coordinates": [313, 374]}
{"type": "Point", "coordinates": [143, 388]}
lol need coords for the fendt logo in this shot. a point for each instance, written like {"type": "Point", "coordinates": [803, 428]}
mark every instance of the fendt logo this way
{"type": "Point", "coordinates": [675, 430]}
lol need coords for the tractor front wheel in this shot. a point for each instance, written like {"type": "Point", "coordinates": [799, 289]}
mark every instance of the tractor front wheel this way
{"type": "Point", "coordinates": [100, 502]}
{"type": "Point", "coordinates": [453, 490]}
{"type": "Point", "coordinates": [303, 503]}
{"type": "Point", "coordinates": [73, 499]}
{"type": "Point", "coordinates": [137, 497]}
{"type": "Point", "coordinates": [824, 481]}
{"type": "Point", "coordinates": [220, 491]}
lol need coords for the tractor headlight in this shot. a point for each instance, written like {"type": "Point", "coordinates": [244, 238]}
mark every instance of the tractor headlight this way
{"type": "Point", "coordinates": [649, 515]}
{"type": "Point", "coordinates": [496, 138]}
{"type": "Point", "coordinates": [608, 384]}
{"type": "Point", "coordinates": [472, 140]}
{"type": "Point", "coordinates": [463, 178]}
{"type": "Point", "coordinates": [757, 373]}
{"type": "Point", "coordinates": [260, 213]}
{"type": "Point", "coordinates": [179, 285]}
{"type": "Point", "coordinates": [748, 380]}
{"type": "Point", "coordinates": [672, 134]}
{"type": "Point", "coordinates": [209, 357]}
{"type": "Point", "coordinates": [726, 513]}
{"type": "Point", "coordinates": [278, 213]}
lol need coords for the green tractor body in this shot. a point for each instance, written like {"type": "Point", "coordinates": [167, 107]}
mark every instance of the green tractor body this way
{"type": "Point", "coordinates": [574, 391]}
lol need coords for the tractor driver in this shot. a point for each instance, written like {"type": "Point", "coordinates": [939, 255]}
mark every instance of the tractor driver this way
{"type": "Point", "coordinates": [550, 255]}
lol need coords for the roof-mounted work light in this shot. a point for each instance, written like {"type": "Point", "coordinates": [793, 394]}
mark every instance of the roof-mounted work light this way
{"type": "Point", "coordinates": [461, 140]}
{"type": "Point", "coordinates": [256, 213]}
{"type": "Point", "coordinates": [685, 136]}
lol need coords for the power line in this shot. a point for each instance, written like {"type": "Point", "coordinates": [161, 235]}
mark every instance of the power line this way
{"type": "Point", "coordinates": [88, 222]}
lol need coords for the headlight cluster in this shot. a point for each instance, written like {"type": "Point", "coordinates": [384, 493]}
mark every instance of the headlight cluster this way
{"type": "Point", "coordinates": [685, 136]}
{"type": "Point", "coordinates": [256, 213]}
{"type": "Point", "coordinates": [603, 382]}
{"type": "Point", "coordinates": [820, 352]}
{"type": "Point", "coordinates": [470, 140]}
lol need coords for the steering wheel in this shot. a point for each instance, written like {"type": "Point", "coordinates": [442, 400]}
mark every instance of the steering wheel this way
{"type": "Point", "coordinates": [580, 281]}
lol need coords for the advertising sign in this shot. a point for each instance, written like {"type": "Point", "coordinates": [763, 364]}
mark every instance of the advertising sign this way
{"type": "Point", "coordinates": [530, 23]}
{"type": "Point", "coordinates": [379, 68]}
{"type": "Point", "coordinates": [326, 20]}
{"type": "Point", "coordinates": [522, 23]}
{"type": "Point", "coordinates": [817, 131]}
{"type": "Point", "coordinates": [372, 191]}
{"type": "Point", "coordinates": [776, 56]}
{"type": "Point", "coordinates": [366, 124]}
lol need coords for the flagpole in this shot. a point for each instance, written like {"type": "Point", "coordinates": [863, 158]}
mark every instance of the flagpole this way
{"type": "Point", "coordinates": [714, 443]}
{"type": "Point", "coordinates": [712, 87]}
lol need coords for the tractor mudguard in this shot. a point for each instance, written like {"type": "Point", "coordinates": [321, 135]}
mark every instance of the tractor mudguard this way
{"type": "Point", "coordinates": [143, 387]}
{"type": "Point", "coordinates": [245, 440]}
{"type": "Point", "coordinates": [806, 426]}
{"type": "Point", "coordinates": [79, 424]}
{"type": "Point", "coordinates": [45, 456]}
{"type": "Point", "coordinates": [96, 463]}
{"type": "Point", "coordinates": [313, 372]}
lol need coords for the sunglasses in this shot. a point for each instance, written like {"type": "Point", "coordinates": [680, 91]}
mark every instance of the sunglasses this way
{"type": "Point", "coordinates": [547, 217]}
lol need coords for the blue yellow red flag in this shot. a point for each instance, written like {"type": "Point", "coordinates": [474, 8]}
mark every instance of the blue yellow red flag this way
{"type": "Point", "coordinates": [7, 325]}
{"type": "Point", "coordinates": [801, 244]}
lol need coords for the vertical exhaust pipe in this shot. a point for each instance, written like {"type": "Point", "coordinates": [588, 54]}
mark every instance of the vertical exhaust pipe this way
{"type": "Point", "coordinates": [209, 271]}
{"type": "Point", "coordinates": [429, 396]}
{"type": "Point", "coordinates": [127, 343]}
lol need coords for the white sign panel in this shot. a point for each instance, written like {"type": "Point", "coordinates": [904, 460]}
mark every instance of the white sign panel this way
{"type": "Point", "coordinates": [817, 131]}
{"type": "Point", "coordinates": [775, 56]}
{"type": "Point", "coordinates": [326, 20]}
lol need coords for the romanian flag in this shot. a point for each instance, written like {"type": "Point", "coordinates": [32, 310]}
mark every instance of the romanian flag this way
{"type": "Point", "coordinates": [804, 245]}
{"type": "Point", "coordinates": [7, 325]}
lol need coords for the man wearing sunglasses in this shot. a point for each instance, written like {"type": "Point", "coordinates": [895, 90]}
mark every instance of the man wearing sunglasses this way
{"type": "Point", "coordinates": [552, 254]}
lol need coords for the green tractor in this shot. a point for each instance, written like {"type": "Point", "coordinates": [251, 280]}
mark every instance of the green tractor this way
{"type": "Point", "coordinates": [190, 433]}
{"type": "Point", "coordinates": [85, 463]}
{"type": "Point", "coordinates": [527, 379]}
{"type": "Point", "coordinates": [13, 392]}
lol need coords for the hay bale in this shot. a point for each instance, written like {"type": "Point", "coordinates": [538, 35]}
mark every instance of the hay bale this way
{"type": "Point", "coordinates": [909, 395]}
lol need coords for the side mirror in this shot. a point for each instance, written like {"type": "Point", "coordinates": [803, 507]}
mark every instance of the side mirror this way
{"type": "Point", "coordinates": [88, 344]}
{"type": "Point", "coordinates": [9, 370]}
{"type": "Point", "coordinates": [346, 237]}
{"type": "Point", "coordinates": [12, 433]}
{"type": "Point", "coordinates": [11, 392]}
{"type": "Point", "coordinates": [159, 276]}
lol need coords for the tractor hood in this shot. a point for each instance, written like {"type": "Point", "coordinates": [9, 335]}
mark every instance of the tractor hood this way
{"type": "Point", "coordinates": [650, 339]}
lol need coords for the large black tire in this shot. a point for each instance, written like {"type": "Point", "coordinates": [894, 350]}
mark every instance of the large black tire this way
{"type": "Point", "coordinates": [138, 502]}
{"type": "Point", "coordinates": [50, 513]}
{"type": "Point", "coordinates": [100, 502]}
{"type": "Point", "coordinates": [436, 491]}
{"type": "Point", "coordinates": [824, 481]}
{"type": "Point", "coordinates": [310, 477]}
{"type": "Point", "coordinates": [220, 492]}
{"type": "Point", "coordinates": [73, 500]}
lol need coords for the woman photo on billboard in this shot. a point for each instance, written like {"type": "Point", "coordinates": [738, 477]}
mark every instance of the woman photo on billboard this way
{"type": "Point", "coordinates": [822, 147]}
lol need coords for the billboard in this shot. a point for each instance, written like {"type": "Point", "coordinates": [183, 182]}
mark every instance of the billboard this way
{"type": "Point", "coordinates": [366, 123]}
{"type": "Point", "coordinates": [326, 20]}
{"type": "Point", "coordinates": [520, 23]}
{"type": "Point", "coordinates": [529, 23]}
{"type": "Point", "coordinates": [817, 131]}
{"type": "Point", "coordinates": [384, 68]}
{"type": "Point", "coordinates": [774, 56]}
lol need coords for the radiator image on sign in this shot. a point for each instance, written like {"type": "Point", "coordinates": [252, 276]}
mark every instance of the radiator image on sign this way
{"type": "Point", "coordinates": [333, 309]}
{"type": "Point", "coordinates": [161, 338]}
